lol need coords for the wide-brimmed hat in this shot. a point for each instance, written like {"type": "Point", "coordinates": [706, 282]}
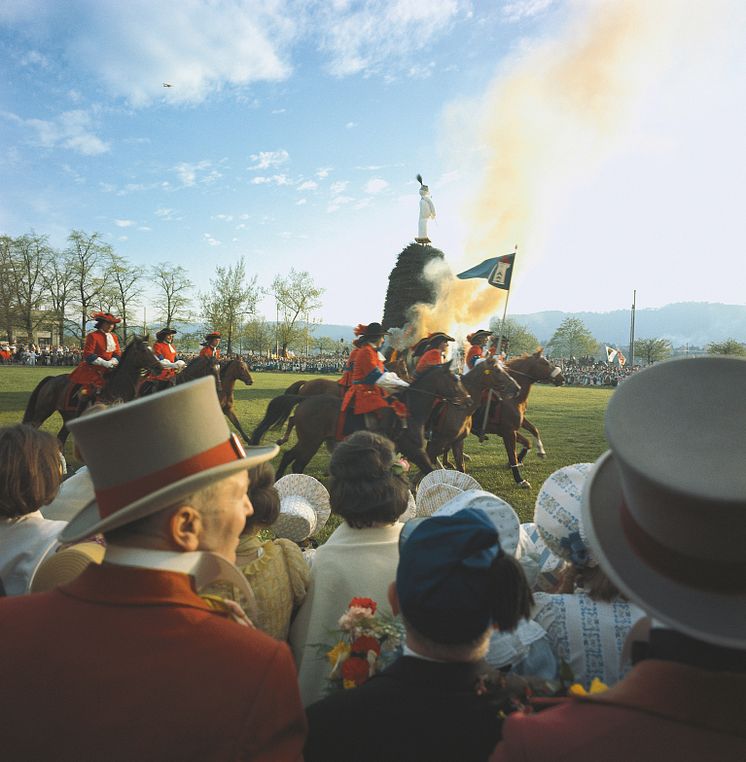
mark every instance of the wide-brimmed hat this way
{"type": "Point", "coordinates": [370, 331]}
{"type": "Point", "coordinates": [440, 486]}
{"type": "Point", "coordinates": [165, 332]}
{"type": "Point", "coordinates": [66, 565]}
{"type": "Point", "coordinates": [436, 338]}
{"type": "Point", "coordinates": [500, 513]}
{"type": "Point", "coordinates": [304, 507]}
{"type": "Point", "coordinates": [211, 336]}
{"type": "Point", "coordinates": [480, 334]}
{"type": "Point", "coordinates": [558, 514]}
{"type": "Point", "coordinates": [148, 454]}
{"type": "Point", "coordinates": [106, 317]}
{"type": "Point", "coordinates": [665, 508]}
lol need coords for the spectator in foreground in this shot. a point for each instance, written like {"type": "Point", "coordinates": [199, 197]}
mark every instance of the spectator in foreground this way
{"type": "Point", "coordinates": [665, 513]}
{"type": "Point", "coordinates": [30, 475]}
{"type": "Point", "coordinates": [454, 584]}
{"type": "Point", "coordinates": [127, 661]}
{"type": "Point", "coordinates": [369, 491]}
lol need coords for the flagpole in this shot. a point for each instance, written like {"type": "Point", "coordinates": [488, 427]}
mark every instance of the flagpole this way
{"type": "Point", "coordinates": [505, 306]}
{"type": "Point", "coordinates": [632, 331]}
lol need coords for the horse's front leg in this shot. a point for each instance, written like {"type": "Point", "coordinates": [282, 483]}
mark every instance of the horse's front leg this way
{"type": "Point", "coordinates": [230, 414]}
{"type": "Point", "coordinates": [540, 451]}
{"type": "Point", "coordinates": [525, 447]}
{"type": "Point", "coordinates": [509, 440]}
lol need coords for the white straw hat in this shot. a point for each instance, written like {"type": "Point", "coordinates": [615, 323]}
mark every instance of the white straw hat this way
{"type": "Point", "coordinates": [499, 512]}
{"type": "Point", "coordinates": [66, 565]}
{"type": "Point", "coordinates": [410, 511]}
{"type": "Point", "coordinates": [304, 507]}
{"type": "Point", "coordinates": [147, 454]}
{"type": "Point", "coordinates": [447, 476]}
{"type": "Point", "coordinates": [433, 497]}
{"type": "Point", "coordinates": [665, 508]}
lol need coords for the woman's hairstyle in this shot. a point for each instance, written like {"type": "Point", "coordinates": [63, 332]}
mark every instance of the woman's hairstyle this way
{"type": "Point", "coordinates": [264, 497]}
{"type": "Point", "coordinates": [592, 580]}
{"type": "Point", "coordinates": [31, 470]}
{"type": "Point", "coordinates": [363, 488]}
{"type": "Point", "coordinates": [512, 595]}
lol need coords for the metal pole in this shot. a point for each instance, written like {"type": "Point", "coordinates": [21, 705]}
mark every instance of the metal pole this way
{"type": "Point", "coordinates": [277, 330]}
{"type": "Point", "coordinates": [505, 307]}
{"type": "Point", "coordinates": [632, 331]}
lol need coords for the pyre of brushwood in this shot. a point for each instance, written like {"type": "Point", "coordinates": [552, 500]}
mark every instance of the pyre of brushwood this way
{"type": "Point", "coordinates": [407, 286]}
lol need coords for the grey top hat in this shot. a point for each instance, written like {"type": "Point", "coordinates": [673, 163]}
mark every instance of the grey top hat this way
{"type": "Point", "coordinates": [665, 508]}
{"type": "Point", "coordinates": [148, 454]}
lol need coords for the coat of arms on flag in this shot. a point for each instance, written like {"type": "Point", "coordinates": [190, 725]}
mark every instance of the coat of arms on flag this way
{"type": "Point", "coordinates": [622, 359]}
{"type": "Point", "coordinates": [611, 354]}
{"type": "Point", "coordinates": [497, 270]}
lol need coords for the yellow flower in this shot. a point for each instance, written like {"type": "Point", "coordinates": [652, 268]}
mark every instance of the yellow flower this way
{"type": "Point", "coordinates": [347, 684]}
{"type": "Point", "coordinates": [338, 654]}
{"type": "Point", "coordinates": [597, 686]}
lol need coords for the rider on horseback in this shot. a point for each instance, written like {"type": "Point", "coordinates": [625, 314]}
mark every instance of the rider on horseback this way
{"type": "Point", "coordinates": [165, 351]}
{"type": "Point", "coordinates": [434, 354]}
{"type": "Point", "coordinates": [369, 379]}
{"type": "Point", "coordinates": [346, 379]}
{"type": "Point", "coordinates": [210, 347]}
{"type": "Point", "coordinates": [101, 353]}
{"type": "Point", "coordinates": [476, 353]}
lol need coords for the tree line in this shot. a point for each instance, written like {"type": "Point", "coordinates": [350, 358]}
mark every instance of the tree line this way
{"type": "Point", "coordinates": [44, 286]}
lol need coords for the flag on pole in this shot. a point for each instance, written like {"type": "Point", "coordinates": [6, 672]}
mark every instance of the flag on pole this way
{"type": "Point", "coordinates": [497, 270]}
{"type": "Point", "coordinates": [622, 359]}
{"type": "Point", "coordinates": [610, 354]}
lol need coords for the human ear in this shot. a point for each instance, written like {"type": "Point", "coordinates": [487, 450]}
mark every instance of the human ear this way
{"type": "Point", "coordinates": [185, 528]}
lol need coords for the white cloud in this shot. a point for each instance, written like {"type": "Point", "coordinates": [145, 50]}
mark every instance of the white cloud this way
{"type": "Point", "coordinates": [70, 129]}
{"type": "Point", "coordinates": [338, 187]}
{"type": "Point", "coordinates": [124, 223]}
{"type": "Point", "coordinates": [268, 159]}
{"type": "Point", "coordinates": [201, 172]}
{"type": "Point", "coordinates": [375, 185]}
{"type": "Point", "coordinates": [144, 229]}
{"type": "Point", "coordinates": [338, 202]}
{"type": "Point", "coordinates": [34, 58]}
{"type": "Point", "coordinates": [208, 239]}
{"type": "Point", "coordinates": [223, 217]}
{"type": "Point", "coordinates": [166, 214]}
{"type": "Point", "coordinates": [517, 10]}
{"type": "Point", "coordinates": [301, 202]}
{"type": "Point", "coordinates": [123, 238]}
{"type": "Point", "coordinates": [278, 111]}
{"type": "Point", "coordinates": [323, 172]}
{"type": "Point", "coordinates": [271, 180]}
{"type": "Point", "coordinates": [307, 185]}
{"type": "Point", "coordinates": [350, 125]}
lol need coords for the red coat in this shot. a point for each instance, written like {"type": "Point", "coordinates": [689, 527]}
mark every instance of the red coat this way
{"type": "Point", "coordinates": [164, 351]}
{"type": "Point", "coordinates": [363, 393]}
{"type": "Point", "coordinates": [474, 353]}
{"type": "Point", "coordinates": [430, 358]}
{"type": "Point", "coordinates": [211, 352]}
{"type": "Point", "coordinates": [661, 711]}
{"type": "Point", "coordinates": [95, 346]}
{"type": "Point", "coordinates": [130, 664]}
{"type": "Point", "coordinates": [347, 371]}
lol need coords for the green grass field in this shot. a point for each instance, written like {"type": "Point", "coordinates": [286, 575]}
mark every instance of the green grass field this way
{"type": "Point", "coordinates": [570, 421]}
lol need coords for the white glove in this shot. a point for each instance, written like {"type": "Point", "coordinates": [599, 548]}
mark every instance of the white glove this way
{"type": "Point", "coordinates": [167, 364]}
{"type": "Point", "coordinates": [180, 364]}
{"type": "Point", "coordinates": [114, 361]}
{"type": "Point", "coordinates": [390, 380]}
{"type": "Point", "coordinates": [103, 363]}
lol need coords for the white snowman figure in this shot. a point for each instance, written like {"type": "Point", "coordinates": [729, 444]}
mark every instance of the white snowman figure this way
{"type": "Point", "coordinates": [427, 212]}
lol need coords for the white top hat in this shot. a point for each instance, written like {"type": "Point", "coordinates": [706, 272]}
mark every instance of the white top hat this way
{"type": "Point", "coordinates": [665, 508]}
{"type": "Point", "coordinates": [304, 507]}
{"type": "Point", "coordinates": [499, 512]}
{"type": "Point", "coordinates": [146, 455]}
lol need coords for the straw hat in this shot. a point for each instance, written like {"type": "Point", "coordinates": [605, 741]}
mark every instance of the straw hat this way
{"type": "Point", "coordinates": [65, 565]}
{"type": "Point", "coordinates": [411, 510]}
{"type": "Point", "coordinates": [558, 514]}
{"type": "Point", "coordinates": [433, 497]}
{"type": "Point", "coordinates": [150, 453]}
{"type": "Point", "coordinates": [665, 508]}
{"type": "Point", "coordinates": [304, 507]}
{"type": "Point", "coordinates": [447, 476]}
{"type": "Point", "coordinates": [500, 513]}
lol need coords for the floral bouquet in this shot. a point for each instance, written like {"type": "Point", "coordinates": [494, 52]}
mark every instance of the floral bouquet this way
{"type": "Point", "coordinates": [367, 642]}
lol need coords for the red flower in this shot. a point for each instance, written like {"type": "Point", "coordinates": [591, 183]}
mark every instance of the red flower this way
{"type": "Point", "coordinates": [355, 669]}
{"type": "Point", "coordinates": [364, 603]}
{"type": "Point", "coordinates": [365, 643]}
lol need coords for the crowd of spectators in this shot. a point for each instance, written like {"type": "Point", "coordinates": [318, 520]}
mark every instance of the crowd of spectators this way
{"type": "Point", "coordinates": [39, 354]}
{"type": "Point", "coordinates": [586, 371]}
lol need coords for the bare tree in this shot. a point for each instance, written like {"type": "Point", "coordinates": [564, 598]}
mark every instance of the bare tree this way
{"type": "Point", "coordinates": [59, 283]}
{"type": "Point", "coordinates": [173, 297]}
{"type": "Point", "coordinates": [230, 298]}
{"type": "Point", "coordinates": [31, 255]}
{"type": "Point", "coordinates": [296, 296]}
{"type": "Point", "coordinates": [88, 255]}
{"type": "Point", "coordinates": [124, 281]}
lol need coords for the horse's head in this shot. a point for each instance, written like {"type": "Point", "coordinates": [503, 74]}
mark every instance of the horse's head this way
{"type": "Point", "coordinates": [138, 354]}
{"type": "Point", "coordinates": [491, 374]}
{"type": "Point", "coordinates": [243, 372]}
{"type": "Point", "coordinates": [541, 369]}
{"type": "Point", "coordinates": [442, 382]}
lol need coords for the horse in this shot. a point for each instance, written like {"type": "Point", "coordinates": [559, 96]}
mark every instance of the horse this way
{"type": "Point", "coordinates": [451, 424]}
{"type": "Point", "coordinates": [120, 384]}
{"type": "Point", "coordinates": [230, 372]}
{"type": "Point", "coordinates": [526, 370]}
{"type": "Point", "coordinates": [316, 419]}
{"type": "Point", "coordinates": [195, 368]}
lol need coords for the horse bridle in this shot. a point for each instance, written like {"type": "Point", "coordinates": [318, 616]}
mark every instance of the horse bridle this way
{"type": "Point", "coordinates": [557, 370]}
{"type": "Point", "coordinates": [449, 400]}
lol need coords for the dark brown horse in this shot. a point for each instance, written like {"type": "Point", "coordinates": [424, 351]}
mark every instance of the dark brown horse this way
{"type": "Point", "coordinates": [230, 372]}
{"type": "Point", "coordinates": [526, 370]}
{"type": "Point", "coordinates": [121, 383]}
{"type": "Point", "coordinates": [195, 368]}
{"type": "Point", "coordinates": [316, 419]}
{"type": "Point", "coordinates": [451, 424]}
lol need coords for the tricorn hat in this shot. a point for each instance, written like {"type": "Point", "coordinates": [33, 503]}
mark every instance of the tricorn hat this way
{"type": "Point", "coordinates": [148, 454]}
{"type": "Point", "coordinates": [370, 331]}
{"type": "Point", "coordinates": [105, 317]}
{"type": "Point", "coordinates": [211, 336]}
{"type": "Point", "coordinates": [480, 334]}
{"type": "Point", "coordinates": [665, 508]}
{"type": "Point", "coordinates": [165, 332]}
{"type": "Point", "coordinates": [436, 338]}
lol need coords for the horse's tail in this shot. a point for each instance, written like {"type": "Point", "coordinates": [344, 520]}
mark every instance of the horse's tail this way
{"type": "Point", "coordinates": [294, 388]}
{"type": "Point", "coordinates": [28, 415]}
{"type": "Point", "coordinates": [278, 411]}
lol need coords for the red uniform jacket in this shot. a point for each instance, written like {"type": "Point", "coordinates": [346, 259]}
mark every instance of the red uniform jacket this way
{"type": "Point", "coordinates": [474, 353]}
{"type": "Point", "coordinates": [95, 346]}
{"type": "Point", "coordinates": [346, 379]}
{"type": "Point", "coordinates": [164, 351]}
{"type": "Point", "coordinates": [211, 352]}
{"type": "Point", "coordinates": [363, 393]}
{"type": "Point", "coordinates": [661, 711]}
{"type": "Point", "coordinates": [430, 358]}
{"type": "Point", "coordinates": [130, 664]}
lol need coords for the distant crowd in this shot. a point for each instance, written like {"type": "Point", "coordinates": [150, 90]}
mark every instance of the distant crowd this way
{"type": "Point", "coordinates": [34, 354]}
{"type": "Point", "coordinates": [588, 372]}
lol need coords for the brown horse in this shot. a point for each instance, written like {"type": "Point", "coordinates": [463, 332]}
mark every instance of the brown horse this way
{"type": "Point", "coordinates": [230, 372]}
{"type": "Point", "coordinates": [526, 370]}
{"type": "Point", "coordinates": [121, 384]}
{"type": "Point", "coordinates": [196, 368]}
{"type": "Point", "coordinates": [452, 424]}
{"type": "Point", "coordinates": [316, 419]}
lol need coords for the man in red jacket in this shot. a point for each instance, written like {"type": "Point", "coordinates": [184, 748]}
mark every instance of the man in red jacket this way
{"type": "Point", "coordinates": [128, 662]}
{"type": "Point", "coordinates": [101, 353]}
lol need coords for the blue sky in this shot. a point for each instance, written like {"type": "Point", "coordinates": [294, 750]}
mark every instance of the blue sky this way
{"type": "Point", "coordinates": [604, 138]}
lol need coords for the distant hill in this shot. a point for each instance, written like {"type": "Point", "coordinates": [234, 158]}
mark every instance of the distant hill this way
{"type": "Point", "coordinates": [693, 323]}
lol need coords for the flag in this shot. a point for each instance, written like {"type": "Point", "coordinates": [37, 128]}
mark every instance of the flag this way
{"type": "Point", "coordinates": [610, 354]}
{"type": "Point", "coordinates": [497, 270]}
{"type": "Point", "coordinates": [622, 359]}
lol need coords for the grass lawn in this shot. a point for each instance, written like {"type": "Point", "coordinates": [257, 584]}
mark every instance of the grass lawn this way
{"type": "Point", "coordinates": [570, 421]}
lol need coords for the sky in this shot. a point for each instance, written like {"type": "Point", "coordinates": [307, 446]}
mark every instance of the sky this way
{"type": "Point", "coordinates": [604, 138]}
